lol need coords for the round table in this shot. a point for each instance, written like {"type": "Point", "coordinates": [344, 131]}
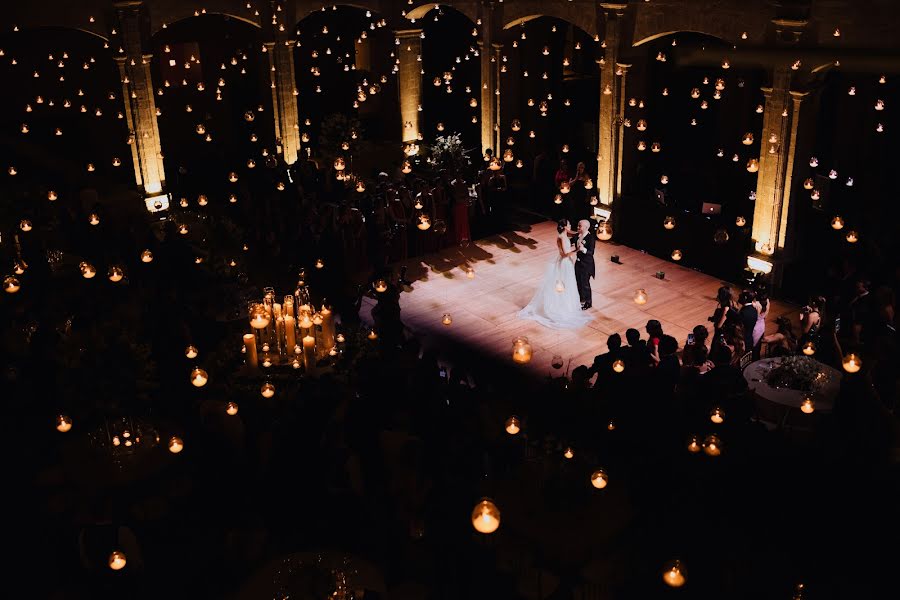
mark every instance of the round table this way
{"type": "Point", "coordinates": [779, 405]}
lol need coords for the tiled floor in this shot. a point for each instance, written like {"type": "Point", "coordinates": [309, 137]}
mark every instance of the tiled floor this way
{"type": "Point", "coordinates": [508, 268]}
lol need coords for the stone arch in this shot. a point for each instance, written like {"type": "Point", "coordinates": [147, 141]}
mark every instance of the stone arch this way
{"type": "Point", "coordinates": [75, 15]}
{"type": "Point", "coordinates": [724, 20]}
{"type": "Point", "coordinates": [166, 12]}
{"type": "Point", "coordinates": [307, 9]}
{"type": "Point", "coordinates": [516, 13]}
{"type": "Point", "coordinates": [663, 34]}
{"type": "Point", "coordinates": [468, 10]}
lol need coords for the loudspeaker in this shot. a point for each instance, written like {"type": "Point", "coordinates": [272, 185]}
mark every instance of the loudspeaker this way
{"type": "Point", "coordinates": [661, 197]}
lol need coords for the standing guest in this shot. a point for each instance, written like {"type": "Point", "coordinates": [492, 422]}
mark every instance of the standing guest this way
{"type": "Point", "coordinates": [748, 316]}
{"type": "Point", "coordinates": [655, 333]}
{"type": "Point", "coordinates": [761, 304]}
{"type": "Point", "coordinates": [635, 355]}
{"type": "Point", "coordinates": [460, 210]}
{"type": "Point", "coordinates": [669, 368]}
{"type": "Point", "coordinates": [724, 304]}
{"type": "Point", "coordinates": [562, 174]}
{"type": "Point", "coordinates": [603, 362]}
{"type": "Point", "coordinates": [811, 320]}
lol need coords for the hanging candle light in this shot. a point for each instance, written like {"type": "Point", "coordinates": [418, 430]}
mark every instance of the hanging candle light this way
{"type": "Point", "coordinates": [753, 165]}
{"type": "Point", "coordinates": [267, 390]}
{"type": "Point", "coordinates": [808, 406]}
{"type": "Point", "coordinates": [231, 409]}
{"type": "Point", "coordinates": [669, 223]}
{"type": "Point", "coordinates": [852, 237]}
{"type": "Point", "coordinates": [339, 164]}
{"type": "Point", "coordinates": [640, 296]}
{"type": "Point", "coordinates": [521, 351]}
{"type": "Point", "coordinates": [837, 222]}
{"type": "Point", "coordinates": [513, 425]}
{"type": "Point", "coordinates": [486, 517]}
{"type": "Point", "coordinates": [176, 444]}
{"type": "Point", "coordinates": [199, 377]}
{"type": "Point", "coordinates": [87, 270]}
{"type": "Point", "coordinates": [676, 255]}
{"type": "Point", "coordinates": [604, 231]}
{"type": "Point", "coordinates": [740, 221]}
{"type": "Point", "coordinates": [116, 274]}
{"type": "Point", "coordinates": [117, 560]}
{"type": "Point", "coordinates": [674, 574]}
{"type": "Point", "coordinates": [11, 284]}
{"type": "Point", "coordinates": [712, 445]}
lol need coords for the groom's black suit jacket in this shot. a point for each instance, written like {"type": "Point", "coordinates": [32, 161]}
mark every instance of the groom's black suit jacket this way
{"type": "Point", "coordinates": [585, 260]}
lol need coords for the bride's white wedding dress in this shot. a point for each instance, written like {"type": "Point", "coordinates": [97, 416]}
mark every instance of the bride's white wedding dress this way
{"type": "Point", "coordinates": [556, 303]}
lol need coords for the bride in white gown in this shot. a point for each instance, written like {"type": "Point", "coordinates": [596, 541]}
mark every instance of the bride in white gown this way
{"type": "Point", "coordinates": [556, 303]}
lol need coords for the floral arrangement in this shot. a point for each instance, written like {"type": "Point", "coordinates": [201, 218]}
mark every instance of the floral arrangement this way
{"type": "Point", "coordinates": [447, 153]}
{"type": "Point", "coordinates": [800, 373]}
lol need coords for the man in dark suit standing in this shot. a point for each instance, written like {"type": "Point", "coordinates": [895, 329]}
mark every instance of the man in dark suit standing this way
{"type": "Point", "coordinates": [584, 243]}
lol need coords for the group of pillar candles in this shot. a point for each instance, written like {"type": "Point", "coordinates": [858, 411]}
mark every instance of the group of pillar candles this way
{"type": "Point", "coordinates": [283, 336]}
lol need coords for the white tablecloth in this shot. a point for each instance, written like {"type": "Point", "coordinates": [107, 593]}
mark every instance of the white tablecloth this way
{"type": "Point", "coordinates": [823, 396]}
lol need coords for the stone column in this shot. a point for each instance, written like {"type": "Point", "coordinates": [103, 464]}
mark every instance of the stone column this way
{"type": "Point", "coordinates": [284, 97]}
{"type": "Point", "coordinates": [279, 60]}
{"type": "Point", "coordinates": [409, 58]}
{"type": "Point", "coordinates": [612, 94]}
{"type": "Point", "coordinates": [781, 120]}
{"type": "Point", "coordinates": [140, 104]}
{"type": "Point", "coordinates": [490, 81]}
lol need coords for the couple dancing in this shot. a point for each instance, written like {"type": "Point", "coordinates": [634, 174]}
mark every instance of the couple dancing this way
{"type": "Point", "coordinates": [566, 288]}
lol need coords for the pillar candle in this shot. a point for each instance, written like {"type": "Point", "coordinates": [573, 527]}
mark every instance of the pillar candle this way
{"type": "Point", "coordinates": [305, 324]}
{"type": "Point", "coordinates": [250, 343]}
{"type": "Point", "coordinates": [279, 334]}
{"type": "Point", "coordinates": [289, 337]}
{"type": "Point", "coordinates": [287, 309]}
{"type": "Point", "coordinates": [276, 308]}
{"type": "Point", "coordinates": [309, 354]}
{"type": "Point", "coordinates": [327, 328]}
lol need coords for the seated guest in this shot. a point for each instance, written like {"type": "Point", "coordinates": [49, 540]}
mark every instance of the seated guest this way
{"type": "Point", "coordinates": [783, 342]}
{"type": "Point", "coordinates": [724, 379]}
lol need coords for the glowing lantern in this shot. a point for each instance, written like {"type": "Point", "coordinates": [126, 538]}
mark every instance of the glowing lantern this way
{"type": "Point", "coordinates": [712, 445]}
{"type": "Point", "coordinates": [473, 102]}
{"type": "Point", "coordinates": [176, 444]}
{"type": "Point", "coordinates": [557, 199]}
{"type": "Point", "coordinates": [231, 409]}
{"type": "Point", "coordinates": [470, 273]}
{"type": "Point", "coordinates": [675, 574]}
{"type": "Point", "coordinates": [87, 270]}
{"type": "Point", "coordinates": [117, 560]}
{"type": "Point", "coordinates": [604, 231]}
{"type": "Point", "coordinates": [495, 164]}
{"type": "Point", "coordinates": [63, 423]}
{"type": "Point", "coordinates": [852, 363]}
{"type": "Point", "coordinates": [852, 237]}
{"type": "Point", "coordinates": [519, 164]}
{"type": "Point", "coordinates": [753, 165]}
{"type": "Point", "coordinates": [513, 426]}
{"type": "Point", "coordinates": [694, 445]}
{"type": "Point", "coordinates": [516, 125]}
{"type": "Point", "coordinates": [320, 264]}
{"type": "Point", "coordinates": [837, 222]}
{"type": "Point", "coordinates": [669, 223]}
{"type": "Point", "coordinates": [747, 140]}
{"type": "Point", "coordinates": [808, 406]}
{"type": "Point", "coordinates": [814, 162]}
{"type": "Point", "coordinates": [676, 255]}
{"type": "Point", "coordinates": [655, 147]}
{"type": "Point", "coordinates": [11, 284]}
{"type": "Point", "coordinates": [191, 352]}
{"type": "Point", "coordinates": [611, 426]}
{"type": "Point", "coordinates": [52, 196]}
{"type": "Point", "coordinates": [424, 222]}
{"type": "Point", "coordinates": [695, 93]}
{"type": "Point", "coordinates": [564, 187]}
{"type": "Point", "coordinates": [233, 177]}
{"type": "Point", "coordinates": [406, 168]}
{"type": "Point", "coordinates": [360, 186]}
{"type": "Point", "coordinates": [446, 319]}
{"type": "Point", "coordinates": [339, 164]}
{"type": "Point", "coordinates": [373, 335]}
{"type": "Point", "coordinates": [569, 453]}
{"type": "Point", "coordinates": [642, 145]}
{"type": "Point", "coordinates": [380, 285]}
{"type": "Point", "coordinates": [808, 183]}
{"type": "Point", "coordinates": [267, 390]}
{"type": "Point", "coordinates": [740, 221]}
{"type": "Point", "coordinates": [618, 366]}
{"type": "Point", "coordinates": [717, 416]}
{"type": "Point", "coordinates": [809, 349]}
{"type": "Point", "coordinates": [508, 155]}
{"type": "Point", "coordinates": [640, 296]}
{"type": "Point", "coordinates": [521, 350]}
{"type": "Point", "coordinates": [304, 137]}
{"type": "Point", "coordinates": [94, 219]}
{"type": "Point", "coordinates": [116, 274]}
{"type": "Point", "coordinates": [599, 479]}
{"type": "Point", "coordinates": [199, 377]}
{"type": "Point", "coordinates": [25, 225]}
{"type": "Point", "coordinates": [486, 517]}
{"type": "Point", "coordinates": [664, 179]}
{"type": "Point", "coordinates": [200, 129]}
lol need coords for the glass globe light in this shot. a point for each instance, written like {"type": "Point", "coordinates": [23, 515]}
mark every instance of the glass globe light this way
{"type": "Point", "coordinates": [176, 444]}
{"type": "Point", "coordinates": [852, 363]}
{"type": "Point", "coordinates": [640, 296]}
{"type": "Point", "coordinates": [513, 425]}
{"type": "Point", "coordinates": [486, 517]}
{"type": "Point", "coordinates": [63, 423]}
{"type": "Point", "coordinates": [599, 479]}
{"type": "Point", "coordinates": [11, 284]}
{"type": "Point", "coordinates": [199, 377]}
{"type": "Point", "coordinates": [674, 574]}
{"type": "Point", "coordinates": [117, 560]}
{"type": "Point", "coordinates": [267, 390]}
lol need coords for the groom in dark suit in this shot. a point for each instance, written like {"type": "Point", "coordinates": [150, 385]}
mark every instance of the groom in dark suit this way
{"type": "Point", "coordinates": [584, 244]}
